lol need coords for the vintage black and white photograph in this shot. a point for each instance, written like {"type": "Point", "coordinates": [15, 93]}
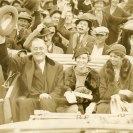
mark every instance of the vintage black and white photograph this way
{"type": "Point", "coordinates": [66, 66]}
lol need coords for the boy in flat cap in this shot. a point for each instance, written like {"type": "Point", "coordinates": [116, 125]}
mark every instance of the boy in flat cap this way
{"type": "Point", "coordinates": [99, 47]}
{"type": "Point", "coordinates": [106, 19]}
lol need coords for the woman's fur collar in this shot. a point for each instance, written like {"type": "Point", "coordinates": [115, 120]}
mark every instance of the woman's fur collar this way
{"type": "Point", "coordinates": [124, 71]}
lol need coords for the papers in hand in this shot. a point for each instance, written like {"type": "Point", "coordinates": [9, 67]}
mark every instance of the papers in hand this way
{"type": "Point", "coordinates": [83, 95]}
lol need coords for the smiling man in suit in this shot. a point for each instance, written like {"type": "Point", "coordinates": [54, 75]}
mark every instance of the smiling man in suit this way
{"type": "Point", "coordinates": [40, 76]}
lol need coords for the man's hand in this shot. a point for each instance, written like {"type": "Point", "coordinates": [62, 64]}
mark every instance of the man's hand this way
{"type": "Point", "coordinates": [40, 27]}
{"type": "Point", "coordinates": [44, 95]}
{"type": "Point", "coordinates": [2, 39]}
{"type": "Point", "coordinates": [71, 98]}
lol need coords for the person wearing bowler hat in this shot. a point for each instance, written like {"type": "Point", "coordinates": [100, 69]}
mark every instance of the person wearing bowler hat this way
{"type": "Point", "coordinates": [116, 75]}
{"type": "Point", "coordinates": [80, 78]}
{"type": "Point", "coordinates": [99, 47]}
{"type": "Point", "coordinates": [80, 36]}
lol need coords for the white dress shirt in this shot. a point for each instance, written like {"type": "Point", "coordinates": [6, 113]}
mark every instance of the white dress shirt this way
{"type": "Point", "coordinates": [41, 66]}
{"type": "Point", "coordinates": [97, 51]}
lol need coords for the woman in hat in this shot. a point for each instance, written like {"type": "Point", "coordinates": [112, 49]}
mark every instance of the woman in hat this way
{"type": "Point", "coordinates": [116, 75]}
{"type": "Point", "coordinates": [80, 78]}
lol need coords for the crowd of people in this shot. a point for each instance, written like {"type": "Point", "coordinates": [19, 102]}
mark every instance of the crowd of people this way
{"type": "Point", "coordinates": [83, 28]}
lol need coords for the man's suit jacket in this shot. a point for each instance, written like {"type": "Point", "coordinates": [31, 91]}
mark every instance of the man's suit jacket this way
{"type": "Point", "coordinates": [26, 67]}
{"type": "Point", "coordinates": [57, 50]}
{"type": "Point", "coordinates": [115, 29]}
{"type": "Point", "coordinates": [73, 38]}
{"type": "Point", "coordinates": [105, 48]}
{"type": "Point", "coordinates": [111, 22]}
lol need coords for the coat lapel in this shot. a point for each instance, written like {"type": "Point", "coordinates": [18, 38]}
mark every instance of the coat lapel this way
{"type": "Point", "coordinates": [30, 67]}
{"type": "Point", "coordinates": [50, 74]}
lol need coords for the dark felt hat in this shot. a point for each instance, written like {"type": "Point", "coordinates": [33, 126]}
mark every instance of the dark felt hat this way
{"type": "Point", "coordinates": [117, 48]}
{"type": "Point", "coordinates": [80, 51]}
{"type": "Point", "coordinates": [84, 17]}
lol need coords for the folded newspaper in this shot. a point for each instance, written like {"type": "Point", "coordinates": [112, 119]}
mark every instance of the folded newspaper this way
{"type": "Point", "coordinates": [83, 95]}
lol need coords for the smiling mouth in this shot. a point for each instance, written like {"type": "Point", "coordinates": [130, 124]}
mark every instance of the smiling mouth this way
{"type": "Point", "coordinates": [80, 29]}
{"type": "Point", "coordinates": [39, 54]}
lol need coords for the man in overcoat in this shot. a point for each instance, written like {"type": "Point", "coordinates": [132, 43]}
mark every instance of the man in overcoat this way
{"type": "Point", "coordinates": [41, 78]}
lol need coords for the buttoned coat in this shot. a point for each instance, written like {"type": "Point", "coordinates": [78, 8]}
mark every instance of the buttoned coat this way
{"type": "Point", "coordinates": [26, 66]}
{"type": "Point", "coordinates": [91, 83]}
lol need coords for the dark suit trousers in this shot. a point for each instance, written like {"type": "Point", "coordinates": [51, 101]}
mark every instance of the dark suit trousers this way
{"type": "Point", "coordinates": [26, 106]}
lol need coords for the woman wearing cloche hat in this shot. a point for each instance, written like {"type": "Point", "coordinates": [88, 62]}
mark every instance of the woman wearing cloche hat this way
{"type": "Point", "coordinates": [116, 75]}
{"type": "Point", "coordinates": [80, 78]}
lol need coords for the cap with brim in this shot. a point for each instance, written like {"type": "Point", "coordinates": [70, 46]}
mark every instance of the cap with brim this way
{"type": "Point", "coordinates": [100, 30]}
{"type": "Point", "coordinates": [24, 15]}
{"type": "Point", "coordinates": [117, 48]}
{"type": "Point", "coordinates": [80, 51]}
{"type": "Point", "coordinates": [84, 18]}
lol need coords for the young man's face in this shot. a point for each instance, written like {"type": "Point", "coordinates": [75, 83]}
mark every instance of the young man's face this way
{"type": "Point", "coordinates": [82, 27]}
{"type": "Point", "coordinates": [23, 23]}
{"type": "Point", "coordinates": [55, 18]}
{"type": "Point", "coordinates": [82, 60]}
{"type": "Point", "coordinates": [101, 38]}
{"type": "Point", "coordinates": [38, 50]}
{"type": "Point", "coordinates": [99, 5]}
